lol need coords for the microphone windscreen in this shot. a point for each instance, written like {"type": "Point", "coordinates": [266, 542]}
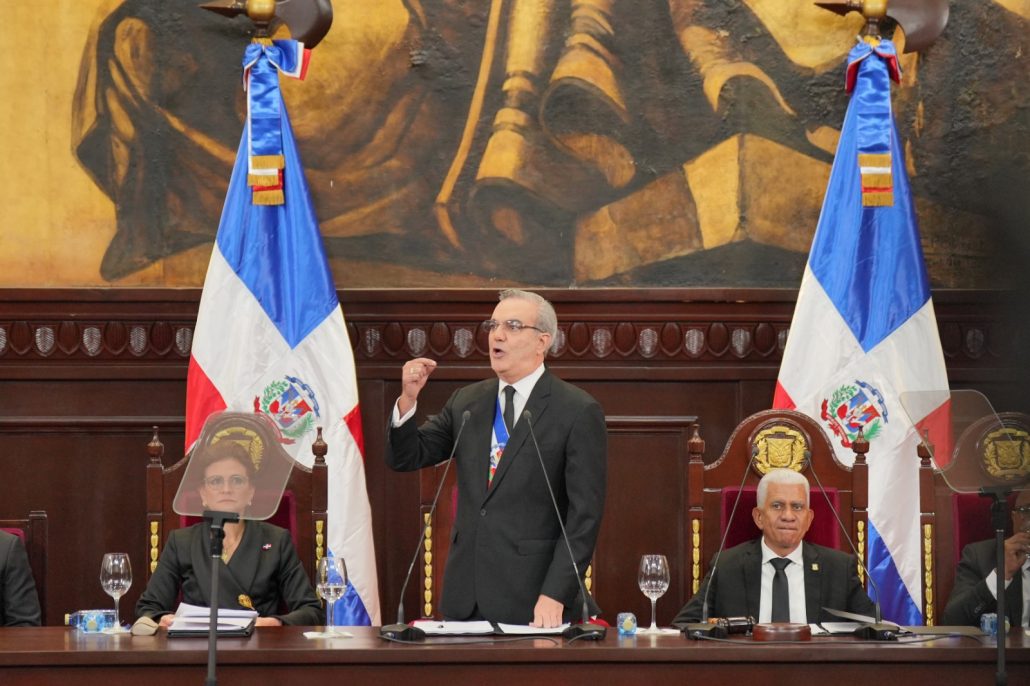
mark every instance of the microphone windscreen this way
{"type": "Point", "coordinates": [528, 415]}
{"type": "Point", "coordinates": [465, 416]}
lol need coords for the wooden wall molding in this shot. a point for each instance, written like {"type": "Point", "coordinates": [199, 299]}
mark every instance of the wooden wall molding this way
{"type": "Point", "coordinates": [691, 327]}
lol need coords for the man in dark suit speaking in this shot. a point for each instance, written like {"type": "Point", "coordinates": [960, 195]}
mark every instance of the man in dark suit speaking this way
{"type": "Point", "coordinates": [777, 577]}
{"type": "Point", "coordinates": [507, 561]}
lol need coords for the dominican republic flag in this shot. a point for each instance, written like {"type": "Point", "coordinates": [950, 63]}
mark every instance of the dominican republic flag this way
{"type": "Point", "coordinates": [864, 330]}
{"type": "Point", "coordinates": [271, 338]}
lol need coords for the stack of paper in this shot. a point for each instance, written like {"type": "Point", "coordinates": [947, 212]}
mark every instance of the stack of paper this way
{"type": "Point", "coordinates": [482, 628]}
{"type": "Point", "coordinates": [193, 620]}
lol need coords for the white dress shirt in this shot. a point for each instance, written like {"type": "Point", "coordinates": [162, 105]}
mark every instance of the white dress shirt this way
{"type": "Point", "coordinates": [992, 584]}
{"type": "Point", "coordinates": [795, 572]}
{"type": "Point", "coordinates": [523, 387]}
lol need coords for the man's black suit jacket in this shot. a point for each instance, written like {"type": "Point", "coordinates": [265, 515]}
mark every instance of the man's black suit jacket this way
{"type": "Point", "coordinates": [19, 604]}
{"type": "Point", "coordinates": [265, 568]}
{"type": "Point", "coordinates": [831, 580]}
{"type": "Point", "coordinates": [506, 546]}
{"type": "Point", "coordinates": [970, 596]}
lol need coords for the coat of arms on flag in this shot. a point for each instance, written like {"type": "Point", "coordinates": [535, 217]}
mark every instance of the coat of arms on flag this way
{"type": "Point", "coordinates": [853, 408]}
{"type": "Point", "coordinates": [291, 404]}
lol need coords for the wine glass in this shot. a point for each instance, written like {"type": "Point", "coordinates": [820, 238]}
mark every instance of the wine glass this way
{"type": "Point", "coordinates": [331, 582]}
{"type": "Point", "coordinates": [116, 578]}
{"type": "Point", "coordinates": [653, 579]}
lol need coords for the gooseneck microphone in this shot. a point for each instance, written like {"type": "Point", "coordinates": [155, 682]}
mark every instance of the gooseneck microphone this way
{"type": "Point", "coordinates": [587, 630]}
{"type": "Point", "coordinates": [401, 631]}
{"type": "Point", "coordinates": [704, 629]}
{"type": "Point", "coordinates": [877, 631]}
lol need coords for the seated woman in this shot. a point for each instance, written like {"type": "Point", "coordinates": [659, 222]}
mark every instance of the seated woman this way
{"type": "Point", "coordinates": [259, 569]}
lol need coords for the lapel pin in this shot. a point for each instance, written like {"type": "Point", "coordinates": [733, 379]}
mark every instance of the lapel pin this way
{"type": "Point", "coordinates": [267, 546]}
{"type": "Point", "coordinates": [815, 566]}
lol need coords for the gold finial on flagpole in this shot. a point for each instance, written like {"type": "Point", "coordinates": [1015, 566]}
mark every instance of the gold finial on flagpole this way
{"type": "Point", "coordinates": [308, 20]}
{"type": "Point", "coordinates": [923, 21]}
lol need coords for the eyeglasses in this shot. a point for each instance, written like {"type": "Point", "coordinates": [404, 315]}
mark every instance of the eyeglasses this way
{"type": "Point", "coordinates": [510, 325]}
{"type": "Point", "coordinates": [236, 482]}
{"type": "Point", "coordinates": [1023, 510]}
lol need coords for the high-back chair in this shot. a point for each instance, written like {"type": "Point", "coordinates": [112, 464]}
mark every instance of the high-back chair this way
{"type": "Point", "coordinates": [302, 510]}
{"type": "Point", "coordinates": [995, 450]}
{"type": "Point", "coordinates": [791, 440]}
{"type": "Point", "coordinates": [33, 534]}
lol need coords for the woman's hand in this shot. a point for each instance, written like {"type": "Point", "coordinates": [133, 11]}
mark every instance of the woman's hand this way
{"type": "Point", "coordinates": [267, 621]}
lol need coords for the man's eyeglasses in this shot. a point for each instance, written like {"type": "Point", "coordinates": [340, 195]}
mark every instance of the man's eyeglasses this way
{"type": "Point", "coordinates": [1023, 510]}
{"type": "Point", "coordinates": [510, 325]}
{"type": "Point", "coordinates": [236, 482]}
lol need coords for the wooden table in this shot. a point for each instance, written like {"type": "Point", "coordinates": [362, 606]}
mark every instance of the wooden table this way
{"type": "Point", "coordinates": [283, 656]}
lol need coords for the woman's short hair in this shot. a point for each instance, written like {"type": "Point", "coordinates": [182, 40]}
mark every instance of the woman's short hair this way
{"type": "Point", "coordinates": [225, 449]}
{"type": "Point", "coordinates": [786, 477]}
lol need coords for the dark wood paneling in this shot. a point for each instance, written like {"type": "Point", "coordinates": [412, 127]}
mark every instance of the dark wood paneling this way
{"type": "Point", "coordinates": [86, 372]}
{"type": "Point", "coordinates": [645, 513]}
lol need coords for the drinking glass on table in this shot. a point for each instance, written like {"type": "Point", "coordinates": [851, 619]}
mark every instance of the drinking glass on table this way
{"type": "Point", "coordinates": [653, 579]}
{"type": "Point", "coordinates": [331, 582]}
{"type": "Point", "coordinates": [116, 578]}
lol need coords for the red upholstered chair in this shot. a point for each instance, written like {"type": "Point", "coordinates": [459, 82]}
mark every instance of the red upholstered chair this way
{"type": "Point", "coordinates": [778, 438]}
{"type": "Point", "coordinates": [33, 533]}
{"type": "Point", "coordinates": [824, 530]}
{"type": "Point", "coordinates": [995, 450]}
{"type": "Point", "coordinates": [302, 510]}
{"type": "Point", "coordinates": [971, 514]}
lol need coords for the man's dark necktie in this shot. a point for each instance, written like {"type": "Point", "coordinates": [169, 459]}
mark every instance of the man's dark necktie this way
{"type": "Point", "coordinates": [780, 593]}
{"type": "Point", "coordinates": [509, 407]}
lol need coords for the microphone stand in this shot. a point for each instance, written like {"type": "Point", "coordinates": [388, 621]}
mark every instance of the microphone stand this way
{"type": "Point", "coordinates": [999, 516]}
{"type": "Point", "coordinates": [217, 520]}
{"type": "Point", "coordinates": [587, 629]}
{"type": "Point", "coordinates": [400, 631]}
{"type": "Point", "coordinates": [705, 629]}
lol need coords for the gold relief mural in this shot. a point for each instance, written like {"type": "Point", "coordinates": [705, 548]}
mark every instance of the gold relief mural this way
{"type": "Point", "coordinates": [472, 142]}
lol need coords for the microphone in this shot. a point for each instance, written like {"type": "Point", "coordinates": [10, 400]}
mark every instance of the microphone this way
{"type": "Point", "coordinates": [704, 629]}
{"type": "Point", "coordinates": [400, 631]}
{"type": "Point", "coordinates": [878, 630]}
{"type": "Point", "coordinates": [587, 630]}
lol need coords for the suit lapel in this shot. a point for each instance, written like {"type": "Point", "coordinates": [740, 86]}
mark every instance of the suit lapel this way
{"type": "Point", "coordinates": [753, 578]}
{"type": "Point", "coordinates": [229, 585]}
{"type": "Point", "coordinates": [813, 582]}
{"type": "Point", "coordinates": [1014, 600]}
{"type": "Point", "coordinates": [243, 565]}
{"type": "Point", "coordinates": [200, 558]}
{"type": "Point", "coordinates": [536, 404]}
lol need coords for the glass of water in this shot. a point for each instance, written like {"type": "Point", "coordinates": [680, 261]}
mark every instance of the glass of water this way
{"type": "Point", "coordinates": [653, 579]}
{"type": "Point", "coordinates": [331, 582]}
